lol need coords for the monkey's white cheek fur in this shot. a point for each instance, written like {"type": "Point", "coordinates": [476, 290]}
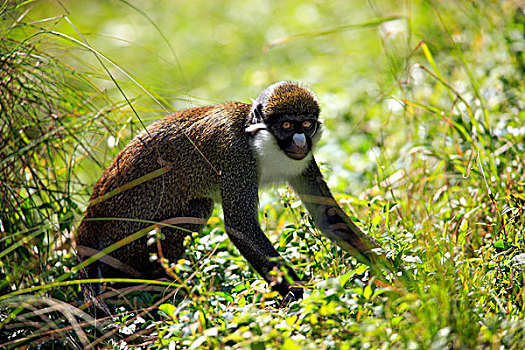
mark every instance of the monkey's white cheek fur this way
{"type": "Point", "coordinates": [274, 165]}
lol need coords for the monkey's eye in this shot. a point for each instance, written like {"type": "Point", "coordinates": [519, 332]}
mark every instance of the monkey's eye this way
{"type": "Point", "coordinates": [286, 125]}
{"type": "Point", "coordinates": [307, 124]}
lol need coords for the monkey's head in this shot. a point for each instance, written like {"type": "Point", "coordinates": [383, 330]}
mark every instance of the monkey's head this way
{"type": "Point", "coordinates": [290, 112]}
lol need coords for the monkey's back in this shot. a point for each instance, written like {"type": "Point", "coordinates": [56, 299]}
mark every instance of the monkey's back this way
{"type": "Point", "coordinates": [161, 174]}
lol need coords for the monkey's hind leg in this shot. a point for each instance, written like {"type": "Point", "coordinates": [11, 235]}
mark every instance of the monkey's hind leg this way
{"type": "Point", "coordinates": [192, 219]}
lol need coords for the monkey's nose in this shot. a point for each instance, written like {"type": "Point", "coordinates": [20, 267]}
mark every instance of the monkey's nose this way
{"type": "Point", "coordinates": [299, 140]}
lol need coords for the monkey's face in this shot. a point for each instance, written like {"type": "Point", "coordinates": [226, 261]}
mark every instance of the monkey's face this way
{"type": "Point", "coordinates": [295, 135]}
{"type": "Point", "coordinates": [290, 113]}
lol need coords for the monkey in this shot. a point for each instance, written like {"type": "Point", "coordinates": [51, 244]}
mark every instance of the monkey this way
{"type": "Point", "coordinates": [173, 172]}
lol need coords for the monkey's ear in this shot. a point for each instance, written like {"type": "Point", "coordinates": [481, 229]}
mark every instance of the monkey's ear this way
{"type": "Point", "coordinates": [257, 121]}
{"type": "Point", "coordinates": [256, 112]}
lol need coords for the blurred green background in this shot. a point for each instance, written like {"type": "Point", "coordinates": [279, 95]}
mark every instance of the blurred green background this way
{"type": "Point", "coordinates": [358, 56]}
{"type": "Point", "coordinates": [353, 54]}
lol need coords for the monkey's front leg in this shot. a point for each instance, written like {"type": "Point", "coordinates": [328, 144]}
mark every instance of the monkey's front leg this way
{"type": "Point", "coordinates": [261, 254]}
{"type": "Point", "coordinates": [242, 226]}
{"type": "Point", "coordinates": [333, 221]}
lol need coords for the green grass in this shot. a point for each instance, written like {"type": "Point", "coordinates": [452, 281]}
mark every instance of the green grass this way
{"type": "Point", "coordinates": [423, 105]}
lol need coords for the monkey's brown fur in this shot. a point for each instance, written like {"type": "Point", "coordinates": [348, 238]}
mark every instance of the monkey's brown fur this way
{"type": "Point", "coordinates": [163, 197]}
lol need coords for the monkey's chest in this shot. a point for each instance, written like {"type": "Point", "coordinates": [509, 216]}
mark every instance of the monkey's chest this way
{"type": "Point", "coordinates": [274, 166]}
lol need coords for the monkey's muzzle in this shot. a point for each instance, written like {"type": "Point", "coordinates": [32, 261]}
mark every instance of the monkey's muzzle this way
{"type": "Point", "coordinates": [298, 148]}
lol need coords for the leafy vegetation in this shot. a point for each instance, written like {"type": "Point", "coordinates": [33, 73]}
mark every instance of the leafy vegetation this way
{"type": "Point", "coordinates": [424, 114]}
